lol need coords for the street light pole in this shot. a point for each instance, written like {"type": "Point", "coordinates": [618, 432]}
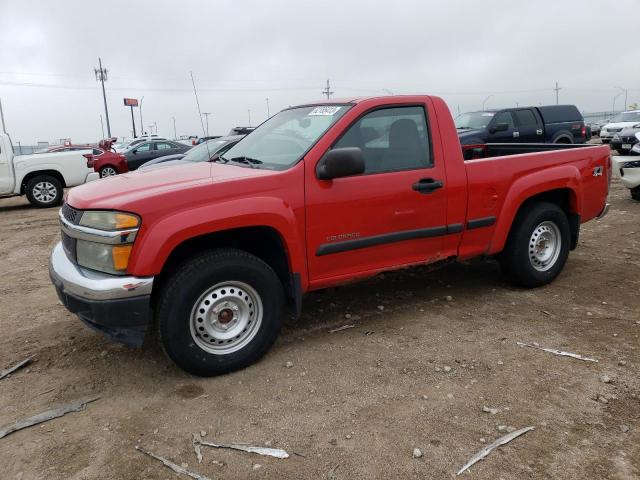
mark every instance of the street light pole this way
{"type": "Point", "coordinates": [101, 76]}
{"type": "Point", "coordinates": [102, 125]}
{"type": "Point", "coordinates": [625, 91]}
{"type": "Point", "coordinates": [268, 114]}
{"type": "Point", "coordinates": [141, 124]}
{"type": "Point", "coordinates": [485, 101]}
{"type": "Point", "coordinates": [175, 135]}
{"type": "Point", "coordinates": [249, 112]}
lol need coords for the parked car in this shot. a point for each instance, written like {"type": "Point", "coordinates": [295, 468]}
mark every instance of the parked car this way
{"type": "Point", "coordinates": [41, 176]}
{"type": "Point", "coordinates": [202, 153]}
{"type": "Point", "coordinates": [121, 147]}
{"type": "Point", "coordinates": [143, 152]}
{"type": "Point", "coordinates": [629, 169]}
{"type": "Point", "coordinates": [198, 141]}
{"type": "Point", "coordinates": [318, 195]}
{"type": "Point", "coordinates": [624, 141]}
{"type": "Point", "coordinates": [107, 162]}
{"type": "Point", "coordinates": [618, 123]}
{"type": "Point", "coordinates": [597, 126]}
{"type": "Point", "coordinates": [547, 124]}
{"type": "Point", "coordinates": [241, 131]}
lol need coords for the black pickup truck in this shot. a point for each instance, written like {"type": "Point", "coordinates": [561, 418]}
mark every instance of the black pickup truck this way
{"type": "Point", "coordinates": [544, 124]}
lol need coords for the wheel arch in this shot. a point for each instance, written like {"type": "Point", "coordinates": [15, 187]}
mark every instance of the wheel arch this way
{"type": "Point", "coordinates": [564, 190]}
{"type": "Point", "coordinates": [53, 173]}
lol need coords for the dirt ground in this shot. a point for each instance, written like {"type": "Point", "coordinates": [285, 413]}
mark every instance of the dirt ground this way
{"type": "Point", "coordinates": [413, 374]}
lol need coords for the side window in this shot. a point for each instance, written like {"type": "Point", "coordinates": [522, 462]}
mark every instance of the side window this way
{"type": "Point", "coordinates": [504, 117]}
{"type": "Point", "coordinates": [163, 146]}
{"type": "Point", "coordinates": [391, 139]}
{"type": "Point", "coordinates": [97, 152]}
{"type": "Point", "coordinates": [526, 118]}
{"type": "Point", "coordinates": [145, 147]}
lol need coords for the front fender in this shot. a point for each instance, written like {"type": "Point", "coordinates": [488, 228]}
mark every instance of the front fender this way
{"type": "Point", "coordinates": [156, 241]}
{"type": "Point", "coordinates": [560, 177]}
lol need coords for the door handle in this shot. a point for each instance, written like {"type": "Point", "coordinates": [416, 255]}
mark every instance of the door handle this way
{"type": "Point", "coordinates": [516, 134]}
{"type": "Point", "coordinates": [427, 185]}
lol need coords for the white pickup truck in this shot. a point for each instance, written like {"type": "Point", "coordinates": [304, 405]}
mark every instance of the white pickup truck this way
{"type": "Point", "coordinates": [42, 176]}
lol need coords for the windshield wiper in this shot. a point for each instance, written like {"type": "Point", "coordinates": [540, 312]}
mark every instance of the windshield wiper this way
{"type": "Point", "coordinates": [252, 162]}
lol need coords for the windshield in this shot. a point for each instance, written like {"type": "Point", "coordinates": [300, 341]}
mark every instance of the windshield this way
{"type": "Point", "coordinates": [626, 117]}
{"type": "Point", "coordinates": [282, 140]}
{"type": "Point", "coordinates": [473, 120]}
{"type": "Point", "coordinates": [204, 151]}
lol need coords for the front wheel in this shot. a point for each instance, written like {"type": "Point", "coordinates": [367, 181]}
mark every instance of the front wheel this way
{"type": "Point", "coordinates": [44, 191]}
{"type": "Point", "coordinates": [635, 193]}
{"type": "Point", "coordinates": [537, 247]}
{"type": "Point", "coordinates": [219, 312]}
{"type": "Point", "coordinates": [108, 171]}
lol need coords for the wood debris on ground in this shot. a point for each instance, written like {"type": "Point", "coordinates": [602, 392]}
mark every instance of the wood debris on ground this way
{"type": "Point", "coordinates": [558, 352]}
{"type": "Point", "coordinates": [10, 370]}
{"type": "Point", "coordinates": [270, 452]}
{"type": "Point", "coordinates": [45, 416]}
{"type": "Point", "coordinates": [490, 448]}
{"type": "Point", "coordinates": [173, 466]}
{"type": "Point", "coordinates": [339, 329]}
{"type": "Point", "coordinates": [196, 440]}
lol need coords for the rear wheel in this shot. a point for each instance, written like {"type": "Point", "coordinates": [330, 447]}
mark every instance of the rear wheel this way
{"type": "Point", "coordinates": [44, 191]}
{"type": "Point", "coordinates": [635, 193]}
{"type": "Point", "coordinates": [538, 245]}
{"type": "Point", "coordinates": [108, 171]}
{"type": "Point", "coordinates": [220, 311]}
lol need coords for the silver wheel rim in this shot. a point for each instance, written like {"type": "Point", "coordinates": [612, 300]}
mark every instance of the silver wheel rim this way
{"type": "Point", "coordinates": [226, 317]}
{"type": "Point", "coordinates": [45, 192]}
{"type": "Point", "coordinates": [108, 172]}
{"type": "Point", "coordinates": [544, 246]}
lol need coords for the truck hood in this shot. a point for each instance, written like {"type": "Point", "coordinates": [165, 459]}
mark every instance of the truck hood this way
{"type": "Point", "coordinates": [469, 136]}
{"type": "Point", "coordinates": [619, 125]}
{"type": "Point", "coordinates": [122, 191]}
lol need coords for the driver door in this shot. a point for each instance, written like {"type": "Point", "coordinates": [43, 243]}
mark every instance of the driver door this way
{"type": "Point", "coordinates": [139, 155]}
{"type": "Point", "coordinates": [383, 218]}
{"type": "Point", "coordinates": [510, 135]}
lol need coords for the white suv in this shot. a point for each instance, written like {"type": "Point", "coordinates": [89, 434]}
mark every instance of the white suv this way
{"type": "Point", "coordinates": [618, 123]}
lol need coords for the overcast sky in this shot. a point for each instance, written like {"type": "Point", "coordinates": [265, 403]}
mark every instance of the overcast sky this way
{"type": "Point", "coordinates": [242, 52]}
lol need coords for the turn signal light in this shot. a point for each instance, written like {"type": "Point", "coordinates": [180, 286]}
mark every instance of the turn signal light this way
{"type": "Point", "coordinates": [120, 255]}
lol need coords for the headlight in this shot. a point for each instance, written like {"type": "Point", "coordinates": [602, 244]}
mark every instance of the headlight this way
{"type": "Point", "coordinates": [109, 221]}
{"type": "Point", "coordinates": [103, 257]}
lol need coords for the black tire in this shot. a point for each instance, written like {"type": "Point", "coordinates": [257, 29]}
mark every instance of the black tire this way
{"type": "Point", "coordinates": [188, 286]}
{"type": "Point", "coordinates": [44, 191]}
{"type": "Point", "coordinates": [515, 259]}
{"type": "Point", "coordinates": [635, 193]}
{"type": "Point", "coordinates": [104, 171]}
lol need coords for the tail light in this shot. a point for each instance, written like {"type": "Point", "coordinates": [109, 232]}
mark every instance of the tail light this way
{"type": "Point", "coordinates": [193, 142]}
{"type": "Point", "coordinates": [584, 131]}
{"type": "Point", "coordinates": [90, 160]}
{"type": "Point", "coordinates": [609, 169]}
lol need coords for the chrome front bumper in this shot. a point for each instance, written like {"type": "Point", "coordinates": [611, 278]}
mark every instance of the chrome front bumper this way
{"type": "Point", "coordinates": [118, 307]}
{"type": "Point", "coordinates": [91, 285]}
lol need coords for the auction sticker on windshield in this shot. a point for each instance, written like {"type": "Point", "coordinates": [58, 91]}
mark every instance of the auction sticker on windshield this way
{"type": "Point", "coordinates": [324, 111]}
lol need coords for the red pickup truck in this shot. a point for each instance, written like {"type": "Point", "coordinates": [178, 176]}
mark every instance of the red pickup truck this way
{"type": "Point", "coordinates": [213, 255]}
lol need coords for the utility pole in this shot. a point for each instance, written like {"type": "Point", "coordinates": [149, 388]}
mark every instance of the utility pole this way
{"type": "Point", "coordinates": [101, 76]}
{"type": "Point", "coordinates": [175, 135]}
{"type": "Point", "coordinates": [268, 114]}
{"type": "Point", "coordinates": [327, 91]}
{"type": "Point", "coordinates": [141, 124]}
{"type": "Point", "coordinates": [249, 113]}
{"type": "Point", "coordinates": [102, 126]}
{"type": "Point", "coordinates": [195, 92]}
{"type": "Point", "coordinates": [206, 116]}
{"type": "Point", "coordinates": [4, 130]}
{"type": "Point", "coordinates": [557, 90]}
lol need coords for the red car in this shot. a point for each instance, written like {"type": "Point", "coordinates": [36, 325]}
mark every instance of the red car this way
{"type": "Point", "coordinates": [213, 256]}
{"type": "Point", "coordinates": [107, 162]}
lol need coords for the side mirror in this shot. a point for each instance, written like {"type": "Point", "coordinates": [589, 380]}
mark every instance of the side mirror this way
{"type": "Point", "coordinates": [134, 151]}
{"type": "Point", "coordinates": [340, 162]}
{"type": "Point", "coordinates": [499, 127]}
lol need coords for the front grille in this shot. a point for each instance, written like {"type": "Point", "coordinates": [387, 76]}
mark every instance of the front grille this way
{"type": "Point", "coordinates": [69, 245]}
{"type": "Point", "coordinates": [628, 139]}
{"type": "Point", "coordinates": [71, 214]}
